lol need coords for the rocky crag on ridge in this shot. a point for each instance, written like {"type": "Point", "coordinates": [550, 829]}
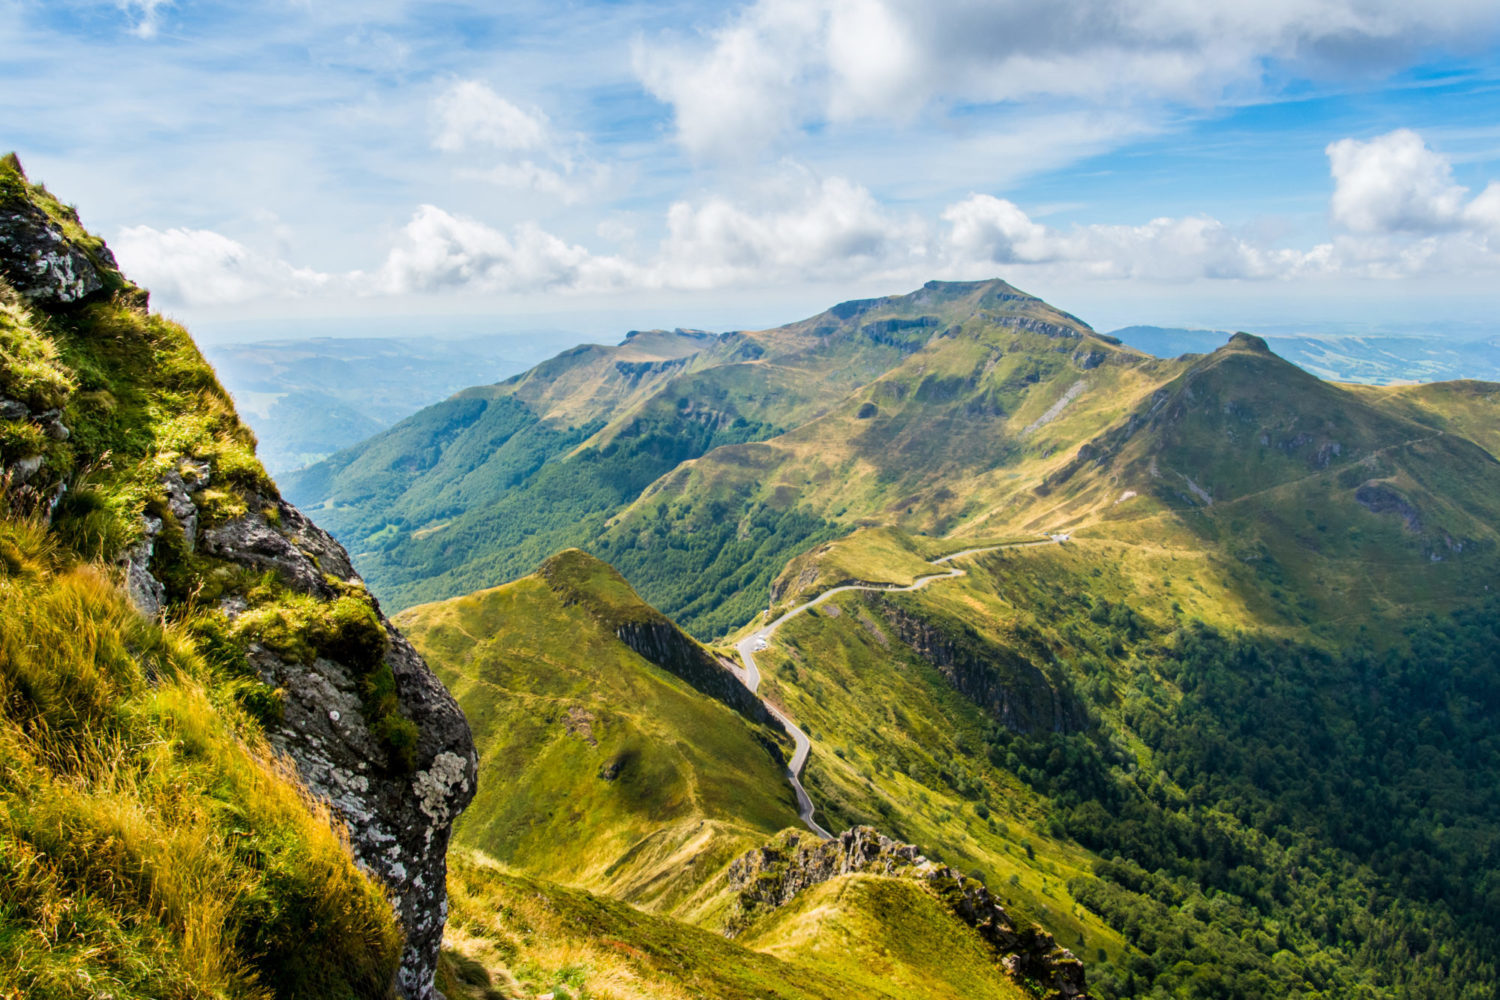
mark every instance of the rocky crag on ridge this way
{"type": "Point", "coordinates": [369, 728]}
{"type": "Point", "coordinates": [770, 876]}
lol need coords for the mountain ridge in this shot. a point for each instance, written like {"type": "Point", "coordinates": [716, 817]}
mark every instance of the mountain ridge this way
{"type": "Point", "coordinates": [223, 750]}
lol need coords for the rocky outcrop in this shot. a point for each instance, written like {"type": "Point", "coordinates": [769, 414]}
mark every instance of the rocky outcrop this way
{"type": "Point", "coordinates": [399, 820]}
{"type": "Point", "coordinates": [1381, 498]}
{"type": "Point", "coordinates": [1033, 325]}
{"type": "Point", "coordinates": [771, 876]}
{"type": "Point", "coordinates": [38, 258]}
{"type": "Point", "coordinates": [25, 468]}
{"type": "Point", "coordinates": [1003, 682]}
{"type": "Point", "coordinates": [396, 764]}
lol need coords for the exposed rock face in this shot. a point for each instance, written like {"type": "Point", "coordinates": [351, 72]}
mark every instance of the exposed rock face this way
{"type": "Point", "coordinates": [40, 262]}
{"type": "Point", "coordinates": [22, 470]}
{"type": "Point", "coordinates": [399, 823]}
{"type": "Point", "coordinates": [1034, 325]}
{"type": "Point", "coordinates": [664, 645]}
{"type": "Point", "coordinates": [769, 877]}
{"type": "Point", "coordinates": [1381, 498]}
{"type": "Point", "coordinates": [1003, 683]}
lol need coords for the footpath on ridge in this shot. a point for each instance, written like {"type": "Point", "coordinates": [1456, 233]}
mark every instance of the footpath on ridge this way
{"type": "Point", "coordinates": [760, 639]}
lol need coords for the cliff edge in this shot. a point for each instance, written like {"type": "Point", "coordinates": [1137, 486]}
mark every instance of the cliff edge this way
{"type": "Point", "coordinates": [116, 436]}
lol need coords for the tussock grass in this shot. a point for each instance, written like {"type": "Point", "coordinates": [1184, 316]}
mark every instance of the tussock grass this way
{"type": "Point", "coordinates": [514, 935]}
{"type": "Point", "coordinates": [150, 843]}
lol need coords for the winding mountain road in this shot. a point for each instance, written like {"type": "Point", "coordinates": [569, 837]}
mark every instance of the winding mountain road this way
{"type": "Point", "coordinates": [760, 639]}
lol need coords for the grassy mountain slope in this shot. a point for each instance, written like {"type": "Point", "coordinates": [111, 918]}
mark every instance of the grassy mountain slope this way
{"type": "Point", "coordinates": [755, 445]}
{"type": "Point", "coordinates": [596, 761]}
{"type": "Point", "coordinates": [151, 843]}
{"type": "Point", "coordinates": [1341, 503]}
{"type": "Point", "coordinates": [1203, 823]}
{"type": "Point", "coordinates": [1230, 741]}
{"type": "Point", "coordinates": [514, 934]}
{"type": "Point", "coordinates": [881, 935]}
{"type": "Point", "coordinates": [604, 771]}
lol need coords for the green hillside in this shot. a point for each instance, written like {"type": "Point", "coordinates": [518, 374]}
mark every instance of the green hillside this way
{"type": "Point", "coordinates": [1198, 809]}
{"type": "Point", "coordinates": [596, 761]}
{"type": "Point", "coordinates": [1329, 506]}
{"type": "Point", "coordinates": [1229, 739]}
{"type": "Point", "coordinates": [616, 792]}
{"type": "Point", "coordinates": [152, 842]}
{"type": "Point", "coordinates": [1252, 688]}
{"type": "Point", "coordinates": [698, 466]}
{"type": "Point", "coordinates": [516, 935]}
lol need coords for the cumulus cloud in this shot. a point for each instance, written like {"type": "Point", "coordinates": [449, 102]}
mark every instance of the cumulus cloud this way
{"type": "Point", "coordinates": [438, 251]}
{"type": "Point", "coordinates": [988, 230]}
{"type": "Point", "coordinates": [1396, 209]}
{"type": "Point", "coordinates": [802, 228]}
{"type": "Point", "coordinates": [1394, 183]}
{"type": "Point", "coordinates": [775, 65]}
{"type": "Point", "coordinates": [201, 267]}
{"type": "Point", "coordinates": [510, 146]}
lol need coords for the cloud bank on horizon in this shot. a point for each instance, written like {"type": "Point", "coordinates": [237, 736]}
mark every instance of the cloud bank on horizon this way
{"type": "Point", "coordinates": [627, 150]}
{"type": "Point", "coordinates": [1397, 211]}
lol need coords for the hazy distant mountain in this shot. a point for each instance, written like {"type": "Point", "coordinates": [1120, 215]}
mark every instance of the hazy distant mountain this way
{"type": "Point", "coordinates": [1377, 360]}
{"type": "Point", "coordinates": [308, 398]}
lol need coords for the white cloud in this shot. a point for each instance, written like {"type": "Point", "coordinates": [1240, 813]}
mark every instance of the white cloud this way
{"type": "Point", "coordinates": [776, 65]}
{"type": "Point", "coordinates": [470, 115]}
{"type": "Point", "coordinates": [1398, 211]}
{"type": "Point", "coordinates": [471, 118]}
{"type": "Point", "coordinates": [199, 267]}
{"type": "Point", "coordinates": [1401, 213]}
{"type": "Point", "coordinates": [1393, 184]}
{"type": "Point", "coordinates": [438, 251]}
{"type": "Point", "coordinates": [1483, 213]}
{"type": "Point", "coordinates": [802, 229]}
{"type": "Point", "coordinates": [985, 230]}
{"type": "Point", "coordinates": [747, 87]}
{"type": "Point", "coordinates": [147, 15]}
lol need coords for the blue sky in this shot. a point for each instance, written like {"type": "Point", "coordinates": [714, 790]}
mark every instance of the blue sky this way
{"type": "Point", "coordinates": [596, 167]}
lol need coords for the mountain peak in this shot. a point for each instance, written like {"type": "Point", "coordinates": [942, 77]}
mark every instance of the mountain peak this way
{"type": "Point", "coordinates": [578, 577]}
{"type": "Point", "coordinates": [957, 289]}
{"type": "Point", "coordinates": [1247, 342]}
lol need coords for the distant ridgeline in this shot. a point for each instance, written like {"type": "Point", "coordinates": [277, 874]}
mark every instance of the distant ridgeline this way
{"type": "Point", "coordinates": [699, 464]}
{"type": "Point", "coordinates": [1382, 359]}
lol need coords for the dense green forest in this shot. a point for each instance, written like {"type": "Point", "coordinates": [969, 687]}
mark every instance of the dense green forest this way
{"type": "Point", "coordinates": [532, 503]}
{"type": "Point", "coordinates": [1305, 823]}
